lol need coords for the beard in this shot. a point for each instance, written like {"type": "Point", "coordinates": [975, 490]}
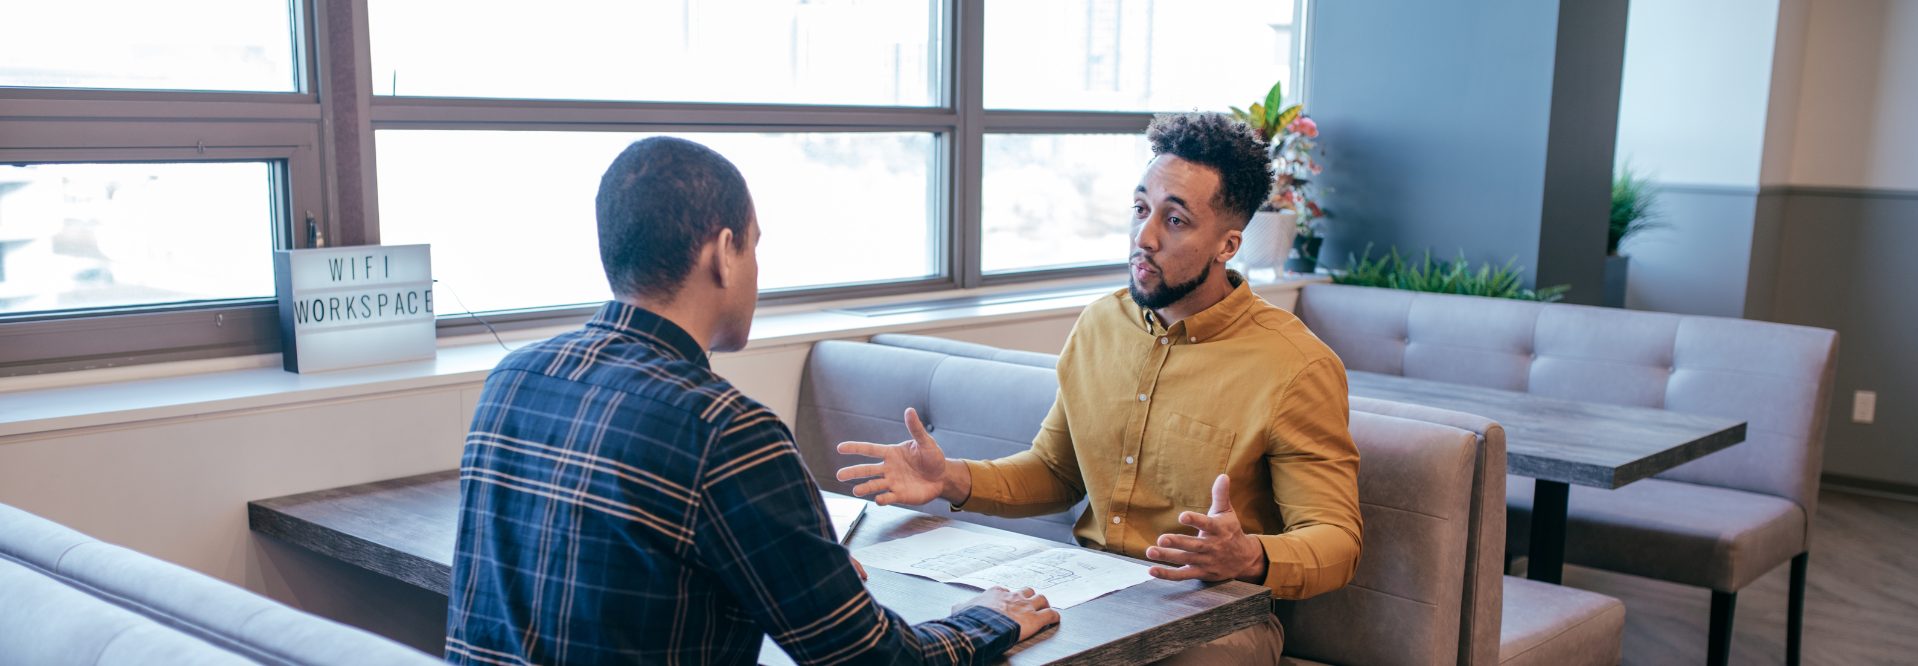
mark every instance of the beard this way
{"type": "Point", "coordinates": [1167, 293]}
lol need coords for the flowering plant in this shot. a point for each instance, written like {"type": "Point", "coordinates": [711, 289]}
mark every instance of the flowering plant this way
{"type": "Point", "coordinates": [1292, 136]}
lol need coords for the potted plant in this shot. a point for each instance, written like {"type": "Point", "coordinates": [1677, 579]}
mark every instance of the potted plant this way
{"type": "Point", "coordinates": [1292, 136]}
{"type": "Point", "coordinates": [1633, 202]}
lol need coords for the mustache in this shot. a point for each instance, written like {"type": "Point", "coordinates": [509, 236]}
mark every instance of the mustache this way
{"type": "Point", "coordinates": [1140, 256]}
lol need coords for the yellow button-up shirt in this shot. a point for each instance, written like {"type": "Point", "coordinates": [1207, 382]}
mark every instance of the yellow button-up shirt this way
{"type": "Point", "coordinates": [1147, 417]}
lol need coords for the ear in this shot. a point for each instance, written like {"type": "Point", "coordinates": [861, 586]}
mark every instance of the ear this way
{"type": "Point", "coordinates": [1229, 246]}
{"type": "Point", "coordinates": [722, 259]}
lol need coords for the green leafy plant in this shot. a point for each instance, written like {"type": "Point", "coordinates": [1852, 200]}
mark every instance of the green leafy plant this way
{"type": "Point", "coordinates": [1443, 277]}
{"type": "Point", "coordinates": [1634, 201]}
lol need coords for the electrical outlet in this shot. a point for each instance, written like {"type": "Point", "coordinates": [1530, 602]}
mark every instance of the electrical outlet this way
{"type": "Point", "coordinates": [1864, 406]}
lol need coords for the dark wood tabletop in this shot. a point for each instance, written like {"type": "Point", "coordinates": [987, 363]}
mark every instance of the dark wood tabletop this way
{"type": "Point", "coordinates": [1570, 441]}
{"type": "Point", "coordinates": [405, 528]}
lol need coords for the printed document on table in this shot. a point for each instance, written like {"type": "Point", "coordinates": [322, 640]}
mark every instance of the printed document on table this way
{"type": "Point", "coordinates": [1066, 576]}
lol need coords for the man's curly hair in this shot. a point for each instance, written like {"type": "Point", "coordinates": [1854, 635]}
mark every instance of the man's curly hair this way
{"type": "Point", "coordinates": [1228, 146]}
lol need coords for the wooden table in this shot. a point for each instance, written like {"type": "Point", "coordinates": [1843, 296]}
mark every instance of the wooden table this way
{"type": "Point", "coordinates": [1561, 442]}
{"type": "Point", "coordinates": [405, 529]}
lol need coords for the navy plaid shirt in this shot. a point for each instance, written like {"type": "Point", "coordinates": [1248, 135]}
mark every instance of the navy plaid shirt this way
{"type": "Point", "coordinates": [622, 504]}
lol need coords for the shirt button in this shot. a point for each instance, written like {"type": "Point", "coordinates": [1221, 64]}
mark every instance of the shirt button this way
{"type": "Point", "coordinates": [1195, 339]}
{"type": "Point", "coordinates": [1115, 520]}
{"type": "Point", "coordinates": [1164, 340]}
{"type": "Point", "coordinates": [1128, 460]}
{"type": "Point", "coordinates": [1142, 397]}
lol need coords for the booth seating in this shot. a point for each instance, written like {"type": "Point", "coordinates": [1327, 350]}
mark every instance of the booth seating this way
{"type": "Point", "coordinates": [1718, 522]}
{"type": "Point", "coordinates": [66, 598]}
{"type": "Point", "coordinates": [1404, 605]}
{"type": "Point", "coordinates": [1510, 621]}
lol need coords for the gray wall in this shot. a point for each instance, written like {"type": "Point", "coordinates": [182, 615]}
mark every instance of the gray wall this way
{"type": "Point", "coordinates": [1846, 261]}
{"type": "Point", "coordinates": [1441, 129]}
{"type": "Point", "coordinates": [1699, 264]}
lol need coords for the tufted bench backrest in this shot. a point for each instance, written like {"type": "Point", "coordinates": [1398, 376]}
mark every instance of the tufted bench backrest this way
{"type": "Point", "coordinates": [67, 598]}
{"type": "Point", "coordinates": [1776, 377]}
{"type": "Point", "coordinates": [977, 408]}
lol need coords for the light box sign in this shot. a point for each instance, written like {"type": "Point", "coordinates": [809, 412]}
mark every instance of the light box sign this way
{"type": "Point", "coordinates": [344, 307]}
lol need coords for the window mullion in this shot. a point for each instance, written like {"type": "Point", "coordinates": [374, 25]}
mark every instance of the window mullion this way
{"type": "Point", "coordinates": [968, 99]}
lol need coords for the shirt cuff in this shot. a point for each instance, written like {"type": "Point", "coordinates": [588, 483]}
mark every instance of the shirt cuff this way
{"type": "Point", "coordinates": [1284, 566]}
{"type": "Point", "coordinates": [991, 632]}
{"type": "Point", "coordinates": [988, 488]}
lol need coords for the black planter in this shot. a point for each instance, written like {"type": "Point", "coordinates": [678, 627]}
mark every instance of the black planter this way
{"type": "Point", "coordinates": [1615, 269]}
{"type": "Point", "coordinates": [1308, 249]}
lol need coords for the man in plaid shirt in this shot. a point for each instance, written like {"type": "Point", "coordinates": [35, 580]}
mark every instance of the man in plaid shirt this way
{"type": "Point", "coordinates": [620, 503]}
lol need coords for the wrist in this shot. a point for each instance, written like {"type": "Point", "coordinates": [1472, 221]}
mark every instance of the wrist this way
{"type": "Point", "coordinates": [956, 483]}
{"type": "Point", "coordinates": [1256, 569]}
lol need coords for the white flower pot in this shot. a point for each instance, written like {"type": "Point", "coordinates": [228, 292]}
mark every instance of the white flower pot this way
{"type": "Point", "coordinates": [1267, 242]}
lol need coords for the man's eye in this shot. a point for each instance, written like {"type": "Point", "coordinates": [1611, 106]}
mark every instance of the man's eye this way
{"type": "Point", "coordinates": [1177, 220]}
{"type": "Point", "coordinates": [1138, 210]}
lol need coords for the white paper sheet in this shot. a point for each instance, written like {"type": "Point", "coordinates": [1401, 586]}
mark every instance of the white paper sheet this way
{"type": "Point", "coordinates": [1066, 576]}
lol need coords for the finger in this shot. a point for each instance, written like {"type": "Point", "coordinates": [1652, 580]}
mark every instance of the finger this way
{"type": "Point", "coordinates": [917, 429]}
{"type": "Point", "coordinates": [1172, 555]}
{"type": "Point", "coordinates": [1221, 495]}
{"type": "Point", "coordinates": [867, 449]}
{"type": "Point", "coordinates": [1040, 602]}
{"type": "Point", "coordinates": [861, 472]}
{"type": "Point", "coordinates": [1049, 616]}
{"type": "Point", "coordinates": [878, 485]}
{"type": "Point", "coordinates": [1181, 573]}
{"type": "Point", "coordinates": [1204, 522]}
{"type": "Point", "coordinates": [1028, 592]}
{"type": "Point", "coordinates": [859, 567]}
{"type": "Point", "coordinates": [886, 499]}
{"type": "Point", "coordinates": [1183, 542]}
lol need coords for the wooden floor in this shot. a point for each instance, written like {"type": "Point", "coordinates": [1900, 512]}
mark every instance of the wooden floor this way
{"type": "Point", "coordinates": [1861, 598]}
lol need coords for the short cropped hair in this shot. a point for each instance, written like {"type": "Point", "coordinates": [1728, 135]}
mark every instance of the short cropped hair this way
{"type": "Point", "coordinates": [661, 201]}
{"type": "Point", "coordinates": [1228, 146]}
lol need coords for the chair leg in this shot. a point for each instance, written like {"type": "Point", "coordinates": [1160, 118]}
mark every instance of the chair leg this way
{"type": "Point", "coordinates": [1795, 614]}
{"type": "Point", "coordinates": [1719, 651]}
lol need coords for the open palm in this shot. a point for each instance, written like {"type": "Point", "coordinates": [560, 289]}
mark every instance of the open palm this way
{"type": "Point", "coordinates": [910, 472]}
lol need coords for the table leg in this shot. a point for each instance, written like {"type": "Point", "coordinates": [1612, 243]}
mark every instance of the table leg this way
{"type": "Point", "coordinates": [1549, 499]}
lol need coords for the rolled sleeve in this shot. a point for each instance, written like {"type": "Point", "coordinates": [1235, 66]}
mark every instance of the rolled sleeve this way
{"type": "Point", "coordinates": [1314, 466]}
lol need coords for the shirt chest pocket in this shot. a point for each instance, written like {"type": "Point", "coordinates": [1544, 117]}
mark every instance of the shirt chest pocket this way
{"type": "Point", "coordinates": [1190, 455]}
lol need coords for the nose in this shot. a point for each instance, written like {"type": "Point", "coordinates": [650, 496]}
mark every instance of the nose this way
{"type": "Point", "coordinates": [1145, 234]}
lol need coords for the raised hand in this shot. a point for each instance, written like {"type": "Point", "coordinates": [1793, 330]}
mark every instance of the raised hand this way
{"type": "Point", "coordinates": [911, 472]}
{"type": "Point", "coordinates": [1222, 551]}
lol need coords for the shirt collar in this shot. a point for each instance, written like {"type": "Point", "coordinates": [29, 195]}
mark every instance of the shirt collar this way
{"type": "Point", "coordinates": [659, 332]}
{"type": "Point", "coordinates": [1212, 320]}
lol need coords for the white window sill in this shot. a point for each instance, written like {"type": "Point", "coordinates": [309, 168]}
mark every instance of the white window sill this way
{"type": "Point", "coordinates": [44, 405]}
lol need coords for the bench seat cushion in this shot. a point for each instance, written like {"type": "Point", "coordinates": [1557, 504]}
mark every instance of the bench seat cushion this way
{"type": "Point", "coordinates": [1669, 530]}
{"type": "Point", "coordinates": [1553, 625]}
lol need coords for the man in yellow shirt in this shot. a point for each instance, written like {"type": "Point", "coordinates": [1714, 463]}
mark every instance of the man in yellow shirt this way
{"type": "Point", "coordinates": [1208, 427]}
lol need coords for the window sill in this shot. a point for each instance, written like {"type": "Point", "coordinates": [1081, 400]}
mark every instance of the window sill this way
{"type": "Point", "coordinates": [34, 407]}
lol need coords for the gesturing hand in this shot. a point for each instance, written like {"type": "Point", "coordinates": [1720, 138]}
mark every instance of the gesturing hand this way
{"type": "Point", "coordinates": [911, 472]}
{"type": "Point", "coordinates": [1222, 550]}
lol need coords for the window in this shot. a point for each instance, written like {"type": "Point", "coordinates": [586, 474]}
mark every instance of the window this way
{"type": "Point", "coordinates": [224, 45]}
{"type": "Point", "coordinates": [750, 51]}
{"type": "Point", "coordinates": [1137, 55]}
{"type": "Point", "coordinates": [1059, 200]}
{"type": "Point", "coordinates": [511, 220]}
{"type": "Point", "coordinates": [892, 146]}
{"type": "Point", "coordinates": [76, 236]}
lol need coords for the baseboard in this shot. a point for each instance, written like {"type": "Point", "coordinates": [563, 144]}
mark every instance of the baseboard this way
{"type": "Point", "coordinates": [1870, 487]}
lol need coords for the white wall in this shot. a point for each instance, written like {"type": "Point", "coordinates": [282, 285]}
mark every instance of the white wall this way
{"type": "Point", "coordinates": [1697, 85]}
{"type": "Point", "coordinates": [1859, 96]}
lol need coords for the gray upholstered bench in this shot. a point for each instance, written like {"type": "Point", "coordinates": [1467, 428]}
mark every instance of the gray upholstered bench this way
{"type": "Point", "coordinates": [1717, 522]}
{"type": "Point", "coordinates": [66, 598]}
{"type": "Point", "coordinates": [1406, 603]}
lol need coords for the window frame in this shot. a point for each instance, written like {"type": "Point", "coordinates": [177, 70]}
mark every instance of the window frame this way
{"type": "Point", "coordinates": [323, 137]}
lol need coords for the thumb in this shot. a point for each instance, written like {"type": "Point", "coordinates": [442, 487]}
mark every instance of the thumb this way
{"type": "Point", "coordinates": [917, 429]}
{"type": "Point", "coordinates": [1221, 495]}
